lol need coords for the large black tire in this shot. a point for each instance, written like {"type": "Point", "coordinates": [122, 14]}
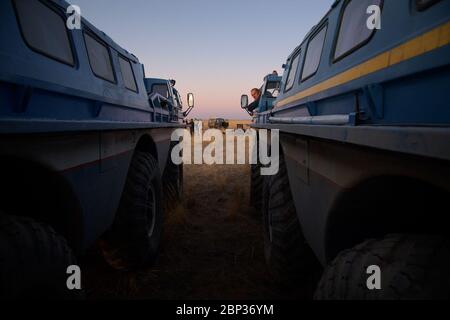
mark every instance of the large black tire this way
{"type": "Point", "coordinates": [134, 239]}
{"type": "Point", "coordinates": [172, 184]}
{"type": "Point", "coordinates": [287, 254]}
{"type": "Point", "coordinates": [412, 267]}
{"type": "Point", "coordinates": [256, 187]}
{"type": "Point", "coordinates": [33, 261]}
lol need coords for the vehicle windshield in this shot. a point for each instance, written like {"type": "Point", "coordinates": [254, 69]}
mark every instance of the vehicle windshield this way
{"type": "Point", "coordinates": [162, 89]}
{"type": "Point", "coordinates": [272, 89]}
{"type": "Point", "coordinates": [178, 98]}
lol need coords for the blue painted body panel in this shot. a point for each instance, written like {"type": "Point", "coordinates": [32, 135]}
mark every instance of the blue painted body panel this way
{"type": "Point", "coordinates": [83, 128]}
{"type": "Point", "coordinates": [99, 193]}
{"type": "Point", "coordinates": [57, 91]}
{"type": "Point", "coordinates": [413, 92]}
{"type": "Point", "coordinates": [399, 122]}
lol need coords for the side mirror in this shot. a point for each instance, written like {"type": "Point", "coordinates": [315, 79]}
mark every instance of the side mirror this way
{"type": "Point", "coordinates": [190, 100]}
{"type": "Point", "coordinates": [244, 101]}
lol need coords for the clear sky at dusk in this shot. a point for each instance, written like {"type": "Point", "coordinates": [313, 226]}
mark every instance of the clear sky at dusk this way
{"type": "Point", "coordinates": [215, 49]}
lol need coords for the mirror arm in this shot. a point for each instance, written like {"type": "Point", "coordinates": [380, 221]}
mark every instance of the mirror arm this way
{"type": "Point", "coordinates": [246, 109]}
{"type": "Point", "coordinates": [186, 113]}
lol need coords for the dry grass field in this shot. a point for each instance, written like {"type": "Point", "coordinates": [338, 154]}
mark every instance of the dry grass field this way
{"type": "Point", "coordinates": [212, 247]}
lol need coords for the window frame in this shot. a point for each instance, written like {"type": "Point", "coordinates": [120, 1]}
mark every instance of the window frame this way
{"type": "Point", "coordinates": [41, 52]}
{"type": "Point", "coordinates": [311, 37]}
{"type": "Point", "coordinates": [177, 98]}
{"type": "Point", "coordinates": [336, 38]}
{"type": "Point", "coordinates": [120, 56]}
{"type": "Point", "coordinates": [161, 84]}
{"type": "Point", "coordinates": [296, 54]}
{"type": "Point", "coordinates": [108, 48]}
{"type": "Point", "coordinates": [422, 8]}
{"type": "Point", "coordinates": [276, 89]}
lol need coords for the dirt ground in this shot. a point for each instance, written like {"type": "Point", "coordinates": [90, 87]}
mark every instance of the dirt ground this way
{"type": "Point", "coordinates": [212, 248]}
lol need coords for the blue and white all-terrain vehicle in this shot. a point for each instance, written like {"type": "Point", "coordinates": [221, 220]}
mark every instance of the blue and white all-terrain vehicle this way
{"type": "Point", "coordinates": [364, 180]}
{"type": "Point", "coordinates": [84, 149]}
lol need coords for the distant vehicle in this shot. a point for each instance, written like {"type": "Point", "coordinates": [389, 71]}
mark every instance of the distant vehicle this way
{"type": "Point", "coordinates": [218, 123]}
{"type": "Point", "coordinates": [365, 166]}
{"type": "Point", "coordinates": [84, 150]}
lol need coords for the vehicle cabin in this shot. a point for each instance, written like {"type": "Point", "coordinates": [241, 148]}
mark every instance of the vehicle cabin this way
{"type": "Point", "coordinates": [85, 71]}
{"type": "Point", "coordinates": [269, 93]}
{"type": "Point", "coordinates": [165, 98]}
{"type": "Point", "coordinates": [364, 117]}
{"type": "Point", "coordinates": [352, 74]}
{"type": "Point", "coordinates": [218, 123]}
{"type": "Point", "coordinates": [75, 111]}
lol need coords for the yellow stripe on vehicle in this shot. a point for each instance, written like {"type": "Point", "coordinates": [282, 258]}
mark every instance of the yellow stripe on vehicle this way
{"type": "Point", "coordinates": [420, 45]}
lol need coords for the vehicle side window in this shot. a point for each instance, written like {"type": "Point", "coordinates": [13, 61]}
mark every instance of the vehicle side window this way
{"type": "Point", "coordinates": [272, 89]}
{"type": "Point", "coordinates": [314, 53]}
{"type": "Point", "coordinates": [127, 74]}
{"type": "Point", "coordinates": [177, 98]}
{"type": "Point", "coordinates": [423, 5]}
{"type": "Point", "coordinates": [162, 89]}
{"type": "Point", "coordinates": [353, 31]}
{"type": "Point", "coordinates": [292, 72]}
{"type": "Point", "coordinates": [44, 30]}
{"type": "Point", "coordinates": [99, 58]}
